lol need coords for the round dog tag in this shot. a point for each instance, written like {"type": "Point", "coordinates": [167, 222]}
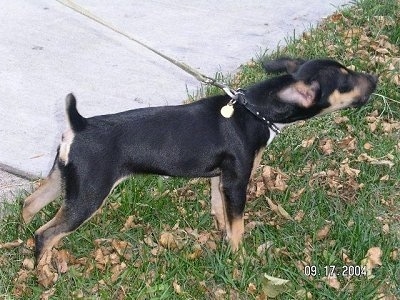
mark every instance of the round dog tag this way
{"type": "Point", "coordinates": [227, 111]}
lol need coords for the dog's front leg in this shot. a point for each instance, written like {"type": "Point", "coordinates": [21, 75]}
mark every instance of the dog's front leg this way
{"type": "Point", "coordinates": [234, 189]}
{"type": "Point", "coordinates": [218, 204]}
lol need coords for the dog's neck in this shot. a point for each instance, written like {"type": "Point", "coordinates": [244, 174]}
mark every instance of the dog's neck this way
{"type": "Point", "coordinates": [256, 111]}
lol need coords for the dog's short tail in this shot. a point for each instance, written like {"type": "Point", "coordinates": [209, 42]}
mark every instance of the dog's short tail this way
{"type": "Point", "coordinates": [76, 121]}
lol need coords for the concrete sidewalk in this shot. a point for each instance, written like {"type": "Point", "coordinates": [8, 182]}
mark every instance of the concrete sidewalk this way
{"type": "Point", "coordinates": [48, 50]}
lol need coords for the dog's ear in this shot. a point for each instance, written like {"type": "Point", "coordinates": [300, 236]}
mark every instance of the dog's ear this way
{"type": "Point", "coordinates": [300, 93]}
{"type": "Point", "coordinates": [283, 64]}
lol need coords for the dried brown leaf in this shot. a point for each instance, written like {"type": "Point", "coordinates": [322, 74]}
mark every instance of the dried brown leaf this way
{"type": "Point", "coordinates": [374, 161]}
{"type": "Point", "coordinates": [326, 146]}
{"type": "Point", "coordinates": [28, 264]}
{"type": "Point", "coordinates": [368, 146]}
{"type": "Point", "coordinates": [307, 143]}
{"type": "Point", "coordinates": [274, 286]}
{"type": "Point", "coordinates": [385, 228]}
{"type": "Point", "coordinates": [197, 253]}
{"type": "Point", "coordinates": [349, 143]}
{"type": "Point", "coordinates": [278, 209]}
{"type": "Point", "coordinates": [46, 274]}
{"type": "Point", "coordinates": [46, 295]}
{"type": "Point", "coordinates": [11, 245]}
{"type": "Point", "coordinates": [299, 216]}
{"type": "Point", "coordinates": [116, 271]}
{"type": "Point", "coordinates": [129, 223]}
{"type": "Point", "coordinates": [274, 179]}
{"type": "Point", "coordinates": [346, 169]}
{"type": "Point", "coordinates": [177, 287]}
{"type": "Point", "coordinates": [323, 232]}
{"type": "Point", "coordinates": [294, 196]}
{"type": "Point", "coordinates": [170, 241]}
{"type": "Point", "coordinates": [340, 119]}
{"type": "Point", "coordinates": [332, 281]}
{"type": "Point", "coordinates": [372, 259]}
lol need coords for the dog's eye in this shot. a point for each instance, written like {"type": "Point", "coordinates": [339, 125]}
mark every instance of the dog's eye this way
{"type": "Point", "coordinates": [345, 84]}
{"type": "Point", "coordinates": [345, 88]}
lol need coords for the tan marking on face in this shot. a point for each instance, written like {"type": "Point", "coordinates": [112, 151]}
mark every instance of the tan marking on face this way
{"type": "Point", "coordinates": [235, 232]}
{"type": "Point", "coordinates": [339, 100]}
{"type": "Point", "coordinates": [65, 146]}
{"type": "Point", "coordinates": [344, 71]}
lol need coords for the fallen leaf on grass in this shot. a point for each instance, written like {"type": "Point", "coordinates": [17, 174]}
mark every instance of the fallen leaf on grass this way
{"type": "Point", "coordinates": [123, 248]}
{"type": "Point", "coordinates": [197, 253]}
{"type": "Point", "coordinates": [364, 157]}
{"type": "Point", "coordinates": [11, 245]}
{"type": "Point", "coordinates": [368, 146]}
{"type": "Point", "coordinates": [177, 287]}
{"type": "Point", "coordinates": [294, 196]}
{"type": "Point", "coordinates": [46, 273]}
{"type": "Point", "coordinates": [340, 120]}
{"type": "Point", "coordinates": [129, 223]}
{"type": "Point", "coordinates": [394, 255]}
{"type": "Point", "coordinates": [251, 288]}
{"type": "Point", "coordinates": [349, 143]}
{"type": "Point", "coordinates": [278, 209]}
{"type": "Point", "coordinates": [28, 264]}
{"type": "Point", "coordinates": [262, 249]}
{"type": "Point", "coordinates": [323, 232]}
{"type": "Point", "coordinates": [46, 295]}
{"type": "Point", "coordinates": [332, 281]}
{"type": "Point", "coordinates": [274, 179]}
{"type": "Point", "coordinates": [372, 259]}
{"type": "Point", "coordinates": [116, 271]}
{"type": "Point", "coordinates": [270, 179]}
{"type": "Point", "coordinates": [385, 228]}
{"type": "Point", "coordinates": [346, 169]}
{"type": "Point", "coordinates": [326, 146]}
{"type": "Point", "coordinates": [299, 216]}
{"type": "Point", "coordinates": [21, 287]}
{"type": "Point", "coordinates": [219, 294]}
{"type": "Point", "coordinates": [170, 241]}
{"type": "Point", "coordinates": [307, 143]}
{"type": "Point", "coordinates": [274, 286]}
{"type": "Point", "coordinates": [338, 182]}
{"type": "Point", "coordinates": [346, 259]}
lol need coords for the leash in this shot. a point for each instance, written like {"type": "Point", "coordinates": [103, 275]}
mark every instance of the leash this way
{"type": "Point", "coordinates": [226, 111]}
{"type": "Point", "coordinates": [200, 77]}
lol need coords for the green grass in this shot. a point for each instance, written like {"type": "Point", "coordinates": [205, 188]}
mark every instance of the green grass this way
{"type": "Point", "coordinates": [358, 208]}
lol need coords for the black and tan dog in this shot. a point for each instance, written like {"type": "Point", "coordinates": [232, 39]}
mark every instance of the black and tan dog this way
{"type": "Point", "coordinates": [193, 140]}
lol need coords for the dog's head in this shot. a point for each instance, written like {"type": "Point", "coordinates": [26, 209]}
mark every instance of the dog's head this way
{"type": "Point", "coordinates": [318, 86]}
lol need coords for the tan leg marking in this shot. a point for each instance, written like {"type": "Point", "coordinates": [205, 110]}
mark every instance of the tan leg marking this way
{"type": "Point", "coordinates": [257, 161]}
{"type": "Point", "coordinates": [52, 237]}
{"type": "Point", "coordinates": [218, 203]}
{"type": "Point", "coordinates": [53, 229]}
{"type": "Point", "coordinates": [46, 193]}
{"type": "Point", "coordinates": [235, 232]}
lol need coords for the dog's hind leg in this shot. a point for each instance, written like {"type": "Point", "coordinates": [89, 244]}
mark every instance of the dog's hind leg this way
{"type": "Point", "coordinates": [46, 193]}
{"type": "Point", "coordinates": [218, 203]}
{"type": "Point", "coordinates": [80, 204]}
